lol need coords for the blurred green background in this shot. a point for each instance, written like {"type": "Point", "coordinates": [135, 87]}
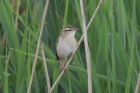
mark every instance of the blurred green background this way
{"type": "Point", "coordinates": [113, 39]}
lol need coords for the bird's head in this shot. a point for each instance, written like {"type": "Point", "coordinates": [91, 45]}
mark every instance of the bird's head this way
{"type": "Point", "coordinates": [68, 31]}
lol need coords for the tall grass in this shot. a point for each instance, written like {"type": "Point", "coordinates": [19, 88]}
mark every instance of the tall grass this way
{"type": "Point", "coordinates": [113, 40]}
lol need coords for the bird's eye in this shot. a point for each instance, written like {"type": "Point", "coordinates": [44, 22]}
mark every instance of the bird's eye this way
{"type": "Point", "coordinates": [68, 30]}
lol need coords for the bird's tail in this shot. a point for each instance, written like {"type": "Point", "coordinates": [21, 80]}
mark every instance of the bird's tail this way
{"type": "Point", "coordinates": [62, 64]}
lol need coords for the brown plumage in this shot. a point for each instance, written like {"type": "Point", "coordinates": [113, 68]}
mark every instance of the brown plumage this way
{"type": "Point", "coordinates": [65, 45]}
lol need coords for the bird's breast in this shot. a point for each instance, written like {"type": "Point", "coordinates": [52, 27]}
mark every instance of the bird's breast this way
{"type": "Point", "coordinates": [65, 47]}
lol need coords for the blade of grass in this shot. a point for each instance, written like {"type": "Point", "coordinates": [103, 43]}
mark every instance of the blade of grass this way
{"type": "Point", "coordinates": [121, 22]}
{"type": "Point", "coordinates": [9, 29]}
{"type": "Point", "coordinates": [70, 89]}
{"type": "Point", "coordinates": [128, 81]}
{"type": "Point", "coordinates": [21, 76]}
{"type": "Point", "coordinates": [66, 12]}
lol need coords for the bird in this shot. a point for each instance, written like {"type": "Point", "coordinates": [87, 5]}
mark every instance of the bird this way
{"type": "Point", "coordinates": [65, 44]}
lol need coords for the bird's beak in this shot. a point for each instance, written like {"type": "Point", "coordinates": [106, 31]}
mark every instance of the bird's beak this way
{"type": "Point", "coordinates": [76, 29]}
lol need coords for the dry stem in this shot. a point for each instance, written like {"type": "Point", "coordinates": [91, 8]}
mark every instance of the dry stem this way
{"type": "Point", "coordinates": [38, 45]}
{"type": "Point", "coordinates": [7, 60]}
{"type": "Point", "coordinates": [3, 41]}
{"type": "Point", "coordinates": [45, 67]}
{"type": "Point", "coordinates": [138, 84]}
{"type": "Point", "coordinates": [86, 48]}
{"type": "Point", "coordinates": [61, 74]}
{"type": "Point", "coordinates": [16, 20]}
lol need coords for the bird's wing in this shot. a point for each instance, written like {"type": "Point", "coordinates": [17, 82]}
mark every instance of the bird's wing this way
{"type": "Point", "coordinates": [56, 56]}
{"type": "Point", "coordinates": [57, 41]}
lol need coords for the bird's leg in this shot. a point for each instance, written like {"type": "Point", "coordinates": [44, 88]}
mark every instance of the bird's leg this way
{"type": "Point", "coordinates": [62, 65]}
{"type": "Point", "coordinates": [71, 55]}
